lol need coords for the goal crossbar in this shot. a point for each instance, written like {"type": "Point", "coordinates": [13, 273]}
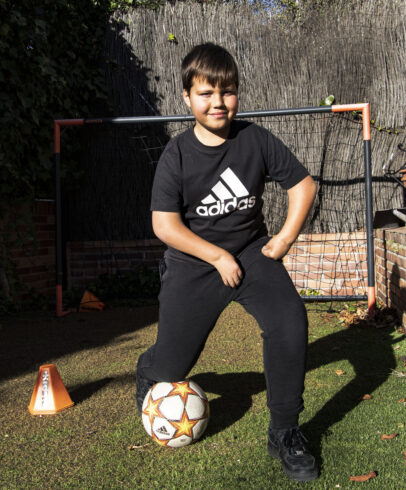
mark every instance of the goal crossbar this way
{"type": "Point", "coordinates": [363, 108]}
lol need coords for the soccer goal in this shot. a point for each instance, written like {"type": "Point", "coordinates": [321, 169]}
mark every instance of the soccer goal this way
{"type": "Point", "coordinates": [333, 258]}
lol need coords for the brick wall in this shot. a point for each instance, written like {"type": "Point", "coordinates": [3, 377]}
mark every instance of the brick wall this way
{"type": "Point", "coordinates": [87, 260]}
{"type": "Point", "coordinates": [331, 263]}
{"type": "Point", "coordinates": [390, 267]}
{"type": "Point", "coordinates": [34, 264]}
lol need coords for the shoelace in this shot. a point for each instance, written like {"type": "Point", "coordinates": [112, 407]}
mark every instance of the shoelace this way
{"type": "Point", "coordinates": [295, 441]}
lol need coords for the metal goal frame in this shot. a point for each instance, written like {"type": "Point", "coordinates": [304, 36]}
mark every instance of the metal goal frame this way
{"type": "Point", "coordinates": [363, 108]}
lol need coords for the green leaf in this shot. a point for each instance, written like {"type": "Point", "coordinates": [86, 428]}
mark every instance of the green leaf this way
{"type": "Point", "coordinates": [327, 101]}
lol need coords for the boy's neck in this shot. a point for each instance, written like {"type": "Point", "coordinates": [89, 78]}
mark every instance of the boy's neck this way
{"type": "Point", "coordinates": [210, 138]}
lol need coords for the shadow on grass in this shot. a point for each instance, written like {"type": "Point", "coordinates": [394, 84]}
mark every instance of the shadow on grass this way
{"type": "Point", "coordinates": [29, 340]}
{"type": "Point", "coordinates": [80, 393]}
{"type": "Point", "coordinates": [370, 352]}
{"type": "Point", "coordinates": [235, 390]}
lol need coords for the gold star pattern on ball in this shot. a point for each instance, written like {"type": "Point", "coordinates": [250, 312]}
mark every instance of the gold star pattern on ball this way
{"type": "Point", "coordinates": [182, 389]}
{"type": "Point", "coordinates": [185, 426]}
{"type": "Point", "coordinates": [152, 409]}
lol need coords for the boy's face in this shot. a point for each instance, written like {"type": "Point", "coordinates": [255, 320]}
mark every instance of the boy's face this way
{"type": "Point", "coordinates": [213, 107]}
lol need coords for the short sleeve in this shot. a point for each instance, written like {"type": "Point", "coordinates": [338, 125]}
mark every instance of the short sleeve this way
{"type": "Point", "coordinates": [283, 166]}
{"type": "Point", "coordinates": [166, 188]}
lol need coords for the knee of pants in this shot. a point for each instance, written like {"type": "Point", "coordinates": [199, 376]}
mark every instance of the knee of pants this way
{"type": "Point", "coordinates": [289, 321]}
{"type": "Point", "coordinates": [299, 310]}
{"type": "Point", "coordinates": [172, 375]}
{"type": "Point", "coordinates": [296, 322]}
{"type": "Point", "coordinates": [170, 372]}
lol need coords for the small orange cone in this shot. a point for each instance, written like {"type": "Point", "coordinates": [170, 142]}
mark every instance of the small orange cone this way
{"type": "Point", "coordinates": [49, 395]}
{"type": "Point", "coordinates": [90, 302]}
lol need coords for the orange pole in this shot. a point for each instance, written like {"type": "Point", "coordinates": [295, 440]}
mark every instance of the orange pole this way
{"type": "Point", "coordinates": [371, 300]}
{"type": "Point", "coordinates": [57, 137]}
{"type": "Point", "coordinates": [69, 122]}
{"type": "Point", "coordinates": [366, 122]}
{"type": "Point", "coordinates": [348, 107]}
{"type": "Point", "coordinates": [366, 116]}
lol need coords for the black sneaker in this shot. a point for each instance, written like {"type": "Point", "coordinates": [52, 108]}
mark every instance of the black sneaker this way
{"type": "Point", "coordinates": [142, 386]}
{"type": "Point", "coordinates": [289, 446]}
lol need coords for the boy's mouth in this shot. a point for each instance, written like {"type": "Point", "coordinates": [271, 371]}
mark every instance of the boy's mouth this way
{"type": "Point", "coordinates": [218, 115]}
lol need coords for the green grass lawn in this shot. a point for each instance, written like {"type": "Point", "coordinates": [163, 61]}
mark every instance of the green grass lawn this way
{"type": "Point", "coordinates": [88, 445]}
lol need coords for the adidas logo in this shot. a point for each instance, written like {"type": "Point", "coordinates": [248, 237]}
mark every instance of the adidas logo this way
{"type": "Point", "coordinates": [162, 430]}
{"type": "Point", "coordinates": [226, 196]}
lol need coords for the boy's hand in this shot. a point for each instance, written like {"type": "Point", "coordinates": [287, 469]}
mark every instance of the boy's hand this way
{"type": "Point", "coordinates": [169, 228]}
{"type": "Point", "coordinates": [228, 269]}
{"type": "Point", "coordinates": [403, 174]}
{"type": "Point", "coordinates": [276, 248]}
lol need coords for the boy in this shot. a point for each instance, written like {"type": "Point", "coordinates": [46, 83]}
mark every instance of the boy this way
{"type": "Point", "coordinates": [206, 206]}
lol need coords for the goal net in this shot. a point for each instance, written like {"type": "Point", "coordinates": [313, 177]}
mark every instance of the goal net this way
{"type": "Point", "coordinates": [109, 211]}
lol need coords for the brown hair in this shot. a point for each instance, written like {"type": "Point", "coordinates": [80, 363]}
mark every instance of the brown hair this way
{"type": "Point", "coordinates": [210, 62]}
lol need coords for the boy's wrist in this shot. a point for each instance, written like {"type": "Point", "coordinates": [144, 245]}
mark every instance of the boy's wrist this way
{"type": "Point", "coordinates": [217, 256]}
{"type": "Point", "coordinates": [286, 238]}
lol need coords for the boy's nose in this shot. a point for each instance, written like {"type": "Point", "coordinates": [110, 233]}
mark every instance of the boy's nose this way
{"type": "Point", "coordinates": [218, 100]}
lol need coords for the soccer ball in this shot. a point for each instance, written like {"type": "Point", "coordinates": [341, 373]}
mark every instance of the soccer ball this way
{"type": "Point", "coordinates": [175, 414]}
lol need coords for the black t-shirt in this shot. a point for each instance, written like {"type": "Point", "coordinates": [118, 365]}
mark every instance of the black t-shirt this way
{"type": "Point", "coordinates": [218, 190]}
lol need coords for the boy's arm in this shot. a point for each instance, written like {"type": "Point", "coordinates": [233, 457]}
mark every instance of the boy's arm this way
{"type": "Point", "coordinates": [301, 197]}
{"type": "Point", "coordinates": [169, 228]}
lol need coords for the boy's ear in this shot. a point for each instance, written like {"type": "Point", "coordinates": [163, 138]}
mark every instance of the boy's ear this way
{"type": "Point", "coordinates": [186, 97]}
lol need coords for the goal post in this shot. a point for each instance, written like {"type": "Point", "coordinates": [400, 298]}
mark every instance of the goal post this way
{"type": "Point", "coordinates": [362, 109]}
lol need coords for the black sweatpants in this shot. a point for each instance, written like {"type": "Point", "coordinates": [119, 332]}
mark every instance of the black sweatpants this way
{"type": "Point", "coordinates": [192, 298]}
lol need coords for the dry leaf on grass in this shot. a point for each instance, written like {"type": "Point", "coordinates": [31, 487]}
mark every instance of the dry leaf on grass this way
{"type": "Point", "coordinates": [370, 475]}
{"type": "Point", "coordinates": [402, 400]}
{"type": "Point", "coordinates": [359, 317]}
{"type": "Point", "coordinates": [367, 397]}
{"type": "Point", "coordinates": [133, 447]}
{"type": "Point", "coordinates": [386, 437]}
{"type": "Point", "coordinates": [339, 372]}
{"type": "Point", "coordinates": [398, 374]}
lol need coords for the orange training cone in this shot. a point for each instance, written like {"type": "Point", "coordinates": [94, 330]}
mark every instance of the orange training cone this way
{"type": "Point", "coordinates": [49, 395]}
{"type": "Point", "coordinates": [90, 302]}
